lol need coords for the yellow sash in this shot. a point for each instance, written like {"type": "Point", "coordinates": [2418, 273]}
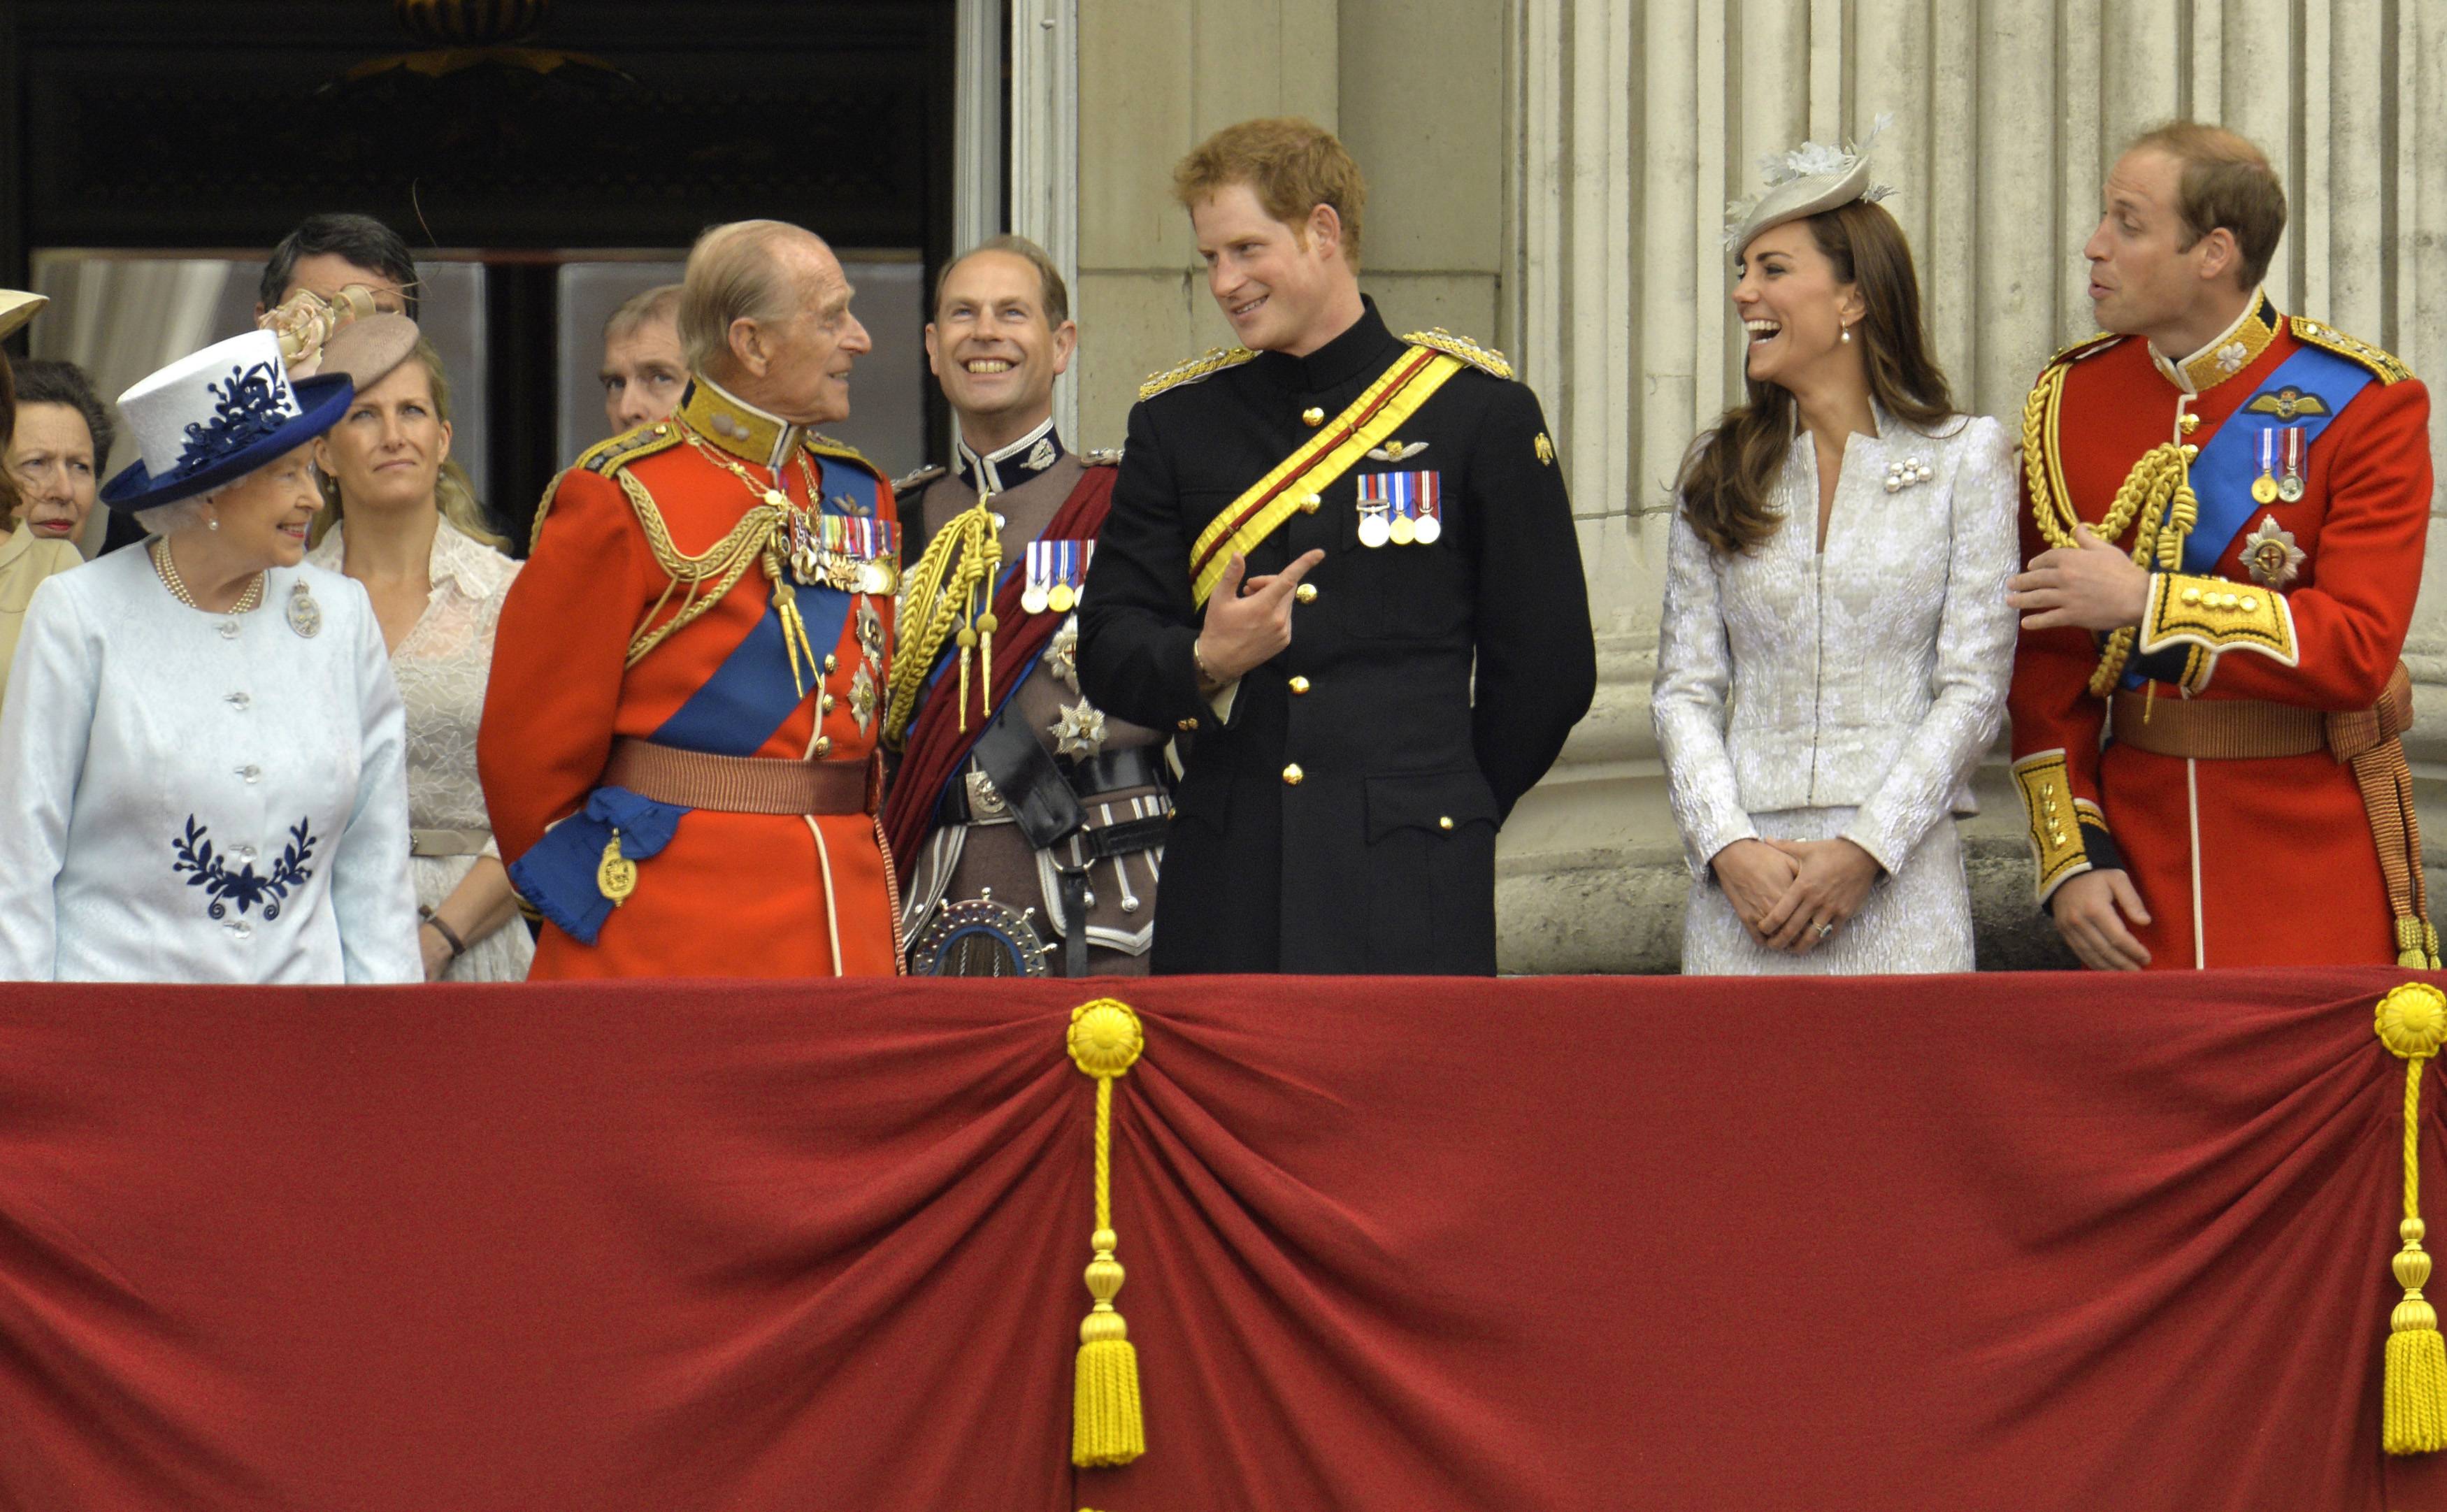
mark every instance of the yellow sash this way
{"type": "Point", "coordinates": [1324, 457]}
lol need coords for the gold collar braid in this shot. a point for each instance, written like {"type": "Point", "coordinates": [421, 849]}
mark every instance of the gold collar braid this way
{"type": "Point", "coordinates": [948, 595]}
{"type": "Point", "coordinates": [2159, 487]}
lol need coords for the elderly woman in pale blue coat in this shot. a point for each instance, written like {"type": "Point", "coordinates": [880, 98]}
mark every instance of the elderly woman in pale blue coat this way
{"type": "Point", "coordinates": [203, 745]}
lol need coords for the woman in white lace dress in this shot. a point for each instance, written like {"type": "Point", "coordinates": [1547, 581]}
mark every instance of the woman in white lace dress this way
{"type": "Point", "coordinates": [1835, 644]}
{"type": "Point", "coordinates": [404, 524]}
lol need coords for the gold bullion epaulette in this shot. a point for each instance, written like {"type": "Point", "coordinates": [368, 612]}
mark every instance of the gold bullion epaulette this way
{"type": "Point", "coordinates": [1486, 359]}
{"type": "Point", "coordinates": [841, 450]}
{"type": "Point", "coordinates": [2087, 346]}
{"type": "Point", "coordinates": [630, 447]}
{"type": "Point", "coordinates": [1102, 457]}
{"type": "Point", "coordinates": [2382, 364]}
{"type": "Point", "coordinates": [919, 478]}
{"type": "Point", "coordinates": [1207, 364]}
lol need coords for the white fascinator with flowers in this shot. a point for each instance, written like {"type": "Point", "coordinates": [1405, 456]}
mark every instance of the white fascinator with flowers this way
{"type": "Point", "coordinates": [1813, 176]}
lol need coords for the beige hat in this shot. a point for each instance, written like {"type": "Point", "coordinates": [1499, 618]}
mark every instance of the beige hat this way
{"type": "Point", "coordinates": [16, 308]}
{"type": "Point", "coordinates": [1811, 177]}
{"type": "Point", "coordinates": [368, 347]}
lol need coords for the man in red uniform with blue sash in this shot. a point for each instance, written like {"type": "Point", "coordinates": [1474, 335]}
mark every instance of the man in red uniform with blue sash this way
{"type": "Point", "coordinates": [678, 746]}
{"type": "Point", "coordinates": [2227, 508]}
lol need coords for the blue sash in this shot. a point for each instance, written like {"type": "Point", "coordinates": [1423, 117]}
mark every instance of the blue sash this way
{"type": "Point", "coordinates": [2222, 474]}
{"type": "Point", "coordinates": [732, 714]}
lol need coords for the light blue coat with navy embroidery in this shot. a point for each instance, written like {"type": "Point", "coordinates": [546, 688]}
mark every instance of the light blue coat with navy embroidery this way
{"type": "Point", "coordinates": [203, 798]}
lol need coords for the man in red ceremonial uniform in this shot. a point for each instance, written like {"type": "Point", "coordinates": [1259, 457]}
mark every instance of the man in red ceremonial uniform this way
{"type": "Point", "coordinates": [678, 746]}
{"type": "Point", "coordinates": [1028, 825]}
{"type": "Point", "coordinates": [2227, 512]}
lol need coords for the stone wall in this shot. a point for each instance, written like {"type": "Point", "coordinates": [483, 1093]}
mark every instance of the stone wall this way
{"type": "Point", "coordinates": [1551, 175]}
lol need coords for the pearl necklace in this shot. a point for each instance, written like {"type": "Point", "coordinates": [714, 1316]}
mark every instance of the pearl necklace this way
{"type": "Point", "coordinates": [170, 579]}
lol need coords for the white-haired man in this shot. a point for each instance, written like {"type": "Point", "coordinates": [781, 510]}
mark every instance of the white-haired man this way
{"type": "Point", "coordinates": [678, 744]}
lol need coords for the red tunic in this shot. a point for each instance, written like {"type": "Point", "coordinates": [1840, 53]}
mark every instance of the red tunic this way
{"type": "Point", "coordinates": [731, 894]}
{"type": "Point", "coordinates": [2239, 861]}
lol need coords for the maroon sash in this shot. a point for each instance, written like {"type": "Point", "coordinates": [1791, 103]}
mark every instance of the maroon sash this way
{"type": "Point", "coordinates": [937, 746]}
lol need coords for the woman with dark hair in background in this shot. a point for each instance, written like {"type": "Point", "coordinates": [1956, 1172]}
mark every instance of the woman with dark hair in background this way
{"type": "Point", "coordinates": [30, 549]}
{"type": "Point", "coordinates": [1835, 644]}
{"type": "Point", "coordinates": [401, 519]}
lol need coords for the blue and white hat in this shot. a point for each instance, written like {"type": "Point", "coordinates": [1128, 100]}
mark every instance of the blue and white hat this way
{"type": "Point", "coordinates": [214, 417]}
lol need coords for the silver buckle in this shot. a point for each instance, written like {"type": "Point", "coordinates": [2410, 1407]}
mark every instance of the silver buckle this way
{"type": "Point", "coordinates": [985, 805]}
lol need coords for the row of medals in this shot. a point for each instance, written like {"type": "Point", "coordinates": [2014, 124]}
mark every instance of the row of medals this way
{"type": "Point", "coordinates": [1377, 528]}
{"type": "Point", "coordinates": [2270, 488]}
{"type": "Point", "coordinates": [812, 562]}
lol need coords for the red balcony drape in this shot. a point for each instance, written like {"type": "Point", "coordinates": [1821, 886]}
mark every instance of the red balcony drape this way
{"type": "Point", "coordinates": [2000, 1243]}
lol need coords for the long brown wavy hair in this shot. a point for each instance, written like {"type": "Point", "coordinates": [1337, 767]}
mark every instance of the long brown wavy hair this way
{"type": "Point", "coordinates": [1728, 482]}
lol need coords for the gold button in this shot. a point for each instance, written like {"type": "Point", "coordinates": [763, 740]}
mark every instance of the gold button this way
{"type": "Point", "coordinates": [832, 663]}
{"type": "Point", "coordinates": [1292, 775]}
{"type": "Point", "coordinates": [1309, 504]}
{"type": "Point", "coordinates": [825, 703]}
{"type": "Point", "coordinates": [2192, 422]}
{"type": "Point", "coordinates": [2192, 595]}
{"type": "Point", "coordinates": [1311, 416]}
{"type": "Point", "coordinates": [2249, 603]}
{"type": "Point", "coordinates": [1305, 592]}
{"type": "Point", "coordinates": [1444, 822]}
{"type": "Point", "coordinates": [1186, 724]}
{"type": "Point", "coordinates": [660, 429]}
{"type": "Point", "coordinates": [824, 743]}
{"type": "Point", "coordinates": [1299, 685]}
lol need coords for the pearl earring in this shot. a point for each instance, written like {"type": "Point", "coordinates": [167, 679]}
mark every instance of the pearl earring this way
{"type": "Point", "coordinates": [212, 524]}
{"type": "Point", "coordinates": [1848, 333]}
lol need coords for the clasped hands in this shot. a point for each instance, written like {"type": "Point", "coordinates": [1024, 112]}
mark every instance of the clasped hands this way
{"type": "Point", "coordinates": [1791, 895]}
{"type": "Point", "coordinates": [1249, 620]}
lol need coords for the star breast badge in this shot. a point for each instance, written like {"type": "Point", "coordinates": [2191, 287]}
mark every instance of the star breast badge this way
{"type": "Point", "coordinates": [1080, 731]}
{"type": "Point", "coordinates": [2272, 554]}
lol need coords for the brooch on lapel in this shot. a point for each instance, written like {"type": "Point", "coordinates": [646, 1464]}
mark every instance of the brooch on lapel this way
{"type": "Point", "coordinates": [305, 615]}
{"type": "Point", "coordinates": [1902, 475]}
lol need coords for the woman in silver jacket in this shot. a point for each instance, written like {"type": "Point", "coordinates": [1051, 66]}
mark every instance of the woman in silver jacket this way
{"type": "Point", "coordinates": [1835, 644]}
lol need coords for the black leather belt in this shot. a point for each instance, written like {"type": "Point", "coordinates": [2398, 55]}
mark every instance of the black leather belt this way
{"type": "Point", "coordinates": [1087, 778]}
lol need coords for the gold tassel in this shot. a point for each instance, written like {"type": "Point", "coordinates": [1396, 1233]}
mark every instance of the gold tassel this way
{"type": "Point", "coordinates": [942, 592]}
{"type": "Point", "coordinates": [1105, 1427]}
{"type": "Point", "coordinates": [2412, 1023]}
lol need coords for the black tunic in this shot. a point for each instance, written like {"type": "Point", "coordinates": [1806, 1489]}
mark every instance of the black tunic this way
{"type": "Point", "coordinates": [1381, 855]}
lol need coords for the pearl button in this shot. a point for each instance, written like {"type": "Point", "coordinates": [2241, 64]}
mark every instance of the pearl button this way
{"type": "Point", "coordinates": [239, 701]}
{"type": "Point", "coordinates": [246, 853]}
{"type": "Point", "coordinates": [228, 628]}
{"type": "Point", "coordinates": [251, 772]}
{"type": "Point", "coordinates": [1299, 685]}
{"type": "Point", "coordinates": [242, 930]}
{"type": "Point", "coordinates": [1305, 592]}
{"type": "Point", "coordinates": [1292, 775]}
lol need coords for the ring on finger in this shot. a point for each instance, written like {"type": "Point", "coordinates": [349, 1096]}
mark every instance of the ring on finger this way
{"type": "Point", "coordinates": [1825, 930]}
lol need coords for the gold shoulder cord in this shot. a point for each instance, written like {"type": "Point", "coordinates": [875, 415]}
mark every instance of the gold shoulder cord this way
{"type": "Point", "coordinates": [2161, 480]}
{"type": "Point", "coordinates": [952, 581]}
